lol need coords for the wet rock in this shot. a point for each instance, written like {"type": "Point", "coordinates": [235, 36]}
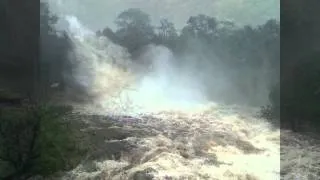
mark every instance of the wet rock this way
{"type": "Point", "coordinates": [213, 160]}
{"type": "Point", "coordinates": [153, 153]}
{"type": "Point", "coordinates": [144, 174]}
{"type": "Point", "coordinates": [111, 150]}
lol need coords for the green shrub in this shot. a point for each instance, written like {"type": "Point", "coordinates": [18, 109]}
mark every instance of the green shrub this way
{"type": "Point", "coordinates": [35, 140]}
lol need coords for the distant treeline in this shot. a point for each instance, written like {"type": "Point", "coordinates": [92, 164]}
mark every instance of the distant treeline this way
{"type": "Point", "coordinates": [251, 55]}
{"type": "Point", "coordinates": [294, 91]}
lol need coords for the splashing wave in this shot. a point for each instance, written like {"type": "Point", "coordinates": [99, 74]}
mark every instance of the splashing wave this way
{"type": "Point", "coordinates": [185, 137]}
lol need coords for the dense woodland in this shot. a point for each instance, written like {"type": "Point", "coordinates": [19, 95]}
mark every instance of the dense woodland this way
{"type": "Point", "coordinates": [249, 56]}
{"type": "Point", "coordinates": [29, 64]}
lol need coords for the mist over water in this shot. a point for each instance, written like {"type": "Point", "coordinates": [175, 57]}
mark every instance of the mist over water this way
{"type": "Point", "coordinates": [191, 130]}
{"type": "Point", "coordinates": [196, 78]}
{"type": "Point", "coordinates": [106, 72]}
{"type": "Point", "coordinates": [166, 85]}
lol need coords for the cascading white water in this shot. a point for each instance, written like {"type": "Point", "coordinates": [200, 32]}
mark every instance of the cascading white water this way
{"type": "Point", "coordinates": [115, 88]}
{"type": "Point", "coordinates": [169, 96]}
{"type": "Point", "coordinates": [190, 129]}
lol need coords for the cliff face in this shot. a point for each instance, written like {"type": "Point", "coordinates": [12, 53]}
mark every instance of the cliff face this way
{"type": "Point", "coordinates": [19, 36]}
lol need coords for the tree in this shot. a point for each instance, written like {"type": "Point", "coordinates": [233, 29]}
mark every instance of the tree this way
{"type": "Point", "coordinates": [201, 26]}
{"type": "Point", "coordinates": [107, 32]}
{"type": "Point", "coordinates": [167, 29]}
{"type": "Point", "coordinates": [134, 29]}
{"type": "Point", "coordinates": [54, 50]}
{"type": "Point", "coordinates": [166, 34]}
{"type": "Point", "coordinates": [199, 35]}
{"type": "Point", "coordinates": [34, 140]}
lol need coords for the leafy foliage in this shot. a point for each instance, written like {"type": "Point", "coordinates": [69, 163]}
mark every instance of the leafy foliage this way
{"type": "Point", "coordinates": [134, 29]}
{"type": "Point", "coordinates": [255, 50]}
{"type": "Point", "coordinates": [54, 65]}
{"type": "Point", "coordinates": [35, 140]}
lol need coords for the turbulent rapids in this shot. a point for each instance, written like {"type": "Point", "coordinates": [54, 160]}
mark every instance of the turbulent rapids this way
{"type": "Point", "coordinates": [172, 131]}
{"type": "Point", "coordinates": [208, 143]}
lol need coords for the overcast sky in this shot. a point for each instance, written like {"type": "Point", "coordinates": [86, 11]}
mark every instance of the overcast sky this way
{"type": "Point", "coordinates": [97, 14]}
